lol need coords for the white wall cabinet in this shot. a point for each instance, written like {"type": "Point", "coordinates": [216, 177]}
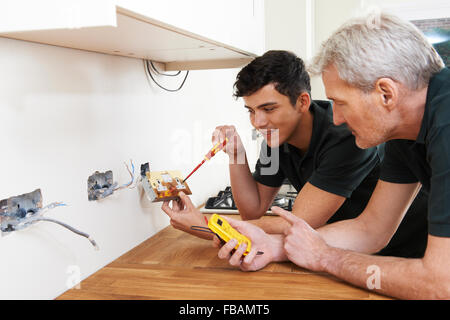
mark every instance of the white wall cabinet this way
{"type": "Point", "coordinates": [197, 34]}
{"type": "Point", "coordinates": [237, 23]}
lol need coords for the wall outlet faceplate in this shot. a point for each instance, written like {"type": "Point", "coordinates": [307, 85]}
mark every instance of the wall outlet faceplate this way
{"type": "Point", "coordinates": [162, 185]}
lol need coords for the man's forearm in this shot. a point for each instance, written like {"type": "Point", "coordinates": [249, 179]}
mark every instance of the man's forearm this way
{"type": "Point", "coordinates": [354, 235]}
{"type": "Point", "coordinates": [397, 277]}
{"type": "Point", "coordinates": [271, 225]}
{"type": "Point", "coordinates": [277, 244]}
{"type": "Point", "coordinates": [245, 192]}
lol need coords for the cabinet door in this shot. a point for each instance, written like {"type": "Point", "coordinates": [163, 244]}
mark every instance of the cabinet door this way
{"type": "Point", "coordinates": [29, 15]}
{"type": "Point", "coordinates": [197, 34]}
{"type": "Point", "coordinates": [237, 23]}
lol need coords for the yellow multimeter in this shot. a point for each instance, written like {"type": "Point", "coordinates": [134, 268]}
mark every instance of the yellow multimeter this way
{"type": "Point", "coordinates": [226, 232]}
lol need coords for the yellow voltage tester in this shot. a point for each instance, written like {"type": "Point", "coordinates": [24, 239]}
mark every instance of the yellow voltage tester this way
{"type": "Point", "coordinates": [226, 232]}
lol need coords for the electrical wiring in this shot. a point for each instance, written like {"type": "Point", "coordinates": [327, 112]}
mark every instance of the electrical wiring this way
{"type": "Point", "coordinates": [51, 206]}
{"type": "Point", "coordinates": [131, 174]}
{"type": "Point", "coordinates": [147, 64]}
{"type": "Point", "coordinates": [83, 234]}
{"type": "Point", "coordinates": [203, 229]}
{"type": "Point", "coordinates": [164, 74]}
{"type": "Point", "coordinates": [20, 224]}
{"type": "Point", "coordinates": [101, 185]}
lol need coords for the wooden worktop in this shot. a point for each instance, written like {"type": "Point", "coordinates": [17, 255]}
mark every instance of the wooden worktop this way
{"type": "Point", "coordinates": [176, 265]}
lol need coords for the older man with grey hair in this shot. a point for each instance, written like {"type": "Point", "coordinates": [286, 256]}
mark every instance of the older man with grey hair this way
{"type": "Point", "coordinates": [388, 84]}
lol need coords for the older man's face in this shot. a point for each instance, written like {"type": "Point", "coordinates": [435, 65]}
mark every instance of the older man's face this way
{"type": "Point", "coordinates": [356, 109]}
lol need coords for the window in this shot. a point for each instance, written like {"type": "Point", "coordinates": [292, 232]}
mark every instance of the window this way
{"type": "Point", "coordinates": [438, 33]}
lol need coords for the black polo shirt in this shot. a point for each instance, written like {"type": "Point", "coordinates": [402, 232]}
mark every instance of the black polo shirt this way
{"type": "Point", "coordinates": [334, 163]}
{"type": "Point", "coordinates": [427, 159]}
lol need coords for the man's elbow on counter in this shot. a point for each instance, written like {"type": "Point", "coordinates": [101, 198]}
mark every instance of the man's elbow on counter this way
{"type": "Point", "coordinates": [439, 286]}
{"type": "Point", "coordinates": [251, 214]}
{"type": "Point", "coordinates": [431, 281]}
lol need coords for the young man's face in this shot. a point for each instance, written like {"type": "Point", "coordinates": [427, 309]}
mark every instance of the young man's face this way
{"type": "Point", "coordinates": [272, 114]}
{"type": "Point", "coordinates": [357, 109]}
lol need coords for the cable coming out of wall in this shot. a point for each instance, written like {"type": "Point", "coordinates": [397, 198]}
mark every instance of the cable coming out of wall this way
{"type": "Point", "coordinates": [149, 66]}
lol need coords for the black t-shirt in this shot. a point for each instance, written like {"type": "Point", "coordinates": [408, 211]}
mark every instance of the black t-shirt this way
{"type": "Point", "coordinates": [334, 163]}
{"type": "Point", "coordinates": [427, 159]}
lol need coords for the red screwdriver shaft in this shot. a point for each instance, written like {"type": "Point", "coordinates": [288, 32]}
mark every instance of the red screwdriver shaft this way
{"type": "Point", "coordinates": [211, 153]}
{"type": "Point", "coordinates": [195, 169]}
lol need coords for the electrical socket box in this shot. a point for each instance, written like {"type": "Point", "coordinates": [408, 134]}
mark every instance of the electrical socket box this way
{"type": "Point", "coordinates": [162, 185]}
{"type": "Point", "coordinates": [19, 207]}
{"type": "Point", "coordinates": [100, 185]}
{"type": "Point", "coordinates": [21, 211]}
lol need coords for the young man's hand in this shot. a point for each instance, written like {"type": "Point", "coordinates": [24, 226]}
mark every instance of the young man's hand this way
{"type": "Point", "coordinates": [183, 214]}
{"type": "Point", "coordinates": [271, 247]}
{"type": "Point", "coordinates": [234, 147]}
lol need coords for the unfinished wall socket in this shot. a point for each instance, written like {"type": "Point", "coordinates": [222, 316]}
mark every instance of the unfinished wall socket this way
{"type": "Point", "coordinates": [162, 185]}
{"type": "Point", "coordinates": [20, 212]}
{"type": "Point", "coordinates": [19, 207]}
{"type": "Point", "coordinates": [101, 185]}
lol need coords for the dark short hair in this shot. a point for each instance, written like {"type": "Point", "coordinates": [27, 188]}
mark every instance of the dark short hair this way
{"type": "Point", "coordinates": [282, 68]}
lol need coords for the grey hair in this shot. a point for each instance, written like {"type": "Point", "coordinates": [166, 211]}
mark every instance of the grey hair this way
{"type": "Point", "coordinates": [379, 46]}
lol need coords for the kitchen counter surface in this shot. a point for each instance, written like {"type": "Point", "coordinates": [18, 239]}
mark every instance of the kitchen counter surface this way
{"type": "Point", "coordinates": [176, 265]}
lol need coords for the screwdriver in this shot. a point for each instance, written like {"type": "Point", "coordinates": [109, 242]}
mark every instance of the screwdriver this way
{"type": "Point", "coordinates": [211, 153]}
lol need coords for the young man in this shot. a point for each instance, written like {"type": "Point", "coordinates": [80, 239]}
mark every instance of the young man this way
{"type": "Point", "coordinates": [333, 176]}
{"type": "Point", "coordinates": [388, 84]}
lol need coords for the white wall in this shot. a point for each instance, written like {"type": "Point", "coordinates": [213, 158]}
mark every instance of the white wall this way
{"type": "Point", "coordinates": [301, 25]}
{"type": "Point", "coordinates": [328, 16]}
{"type": "Point", "coordinates": [287, 25]}
{"type": "Point", "coordinates": [66, 113]}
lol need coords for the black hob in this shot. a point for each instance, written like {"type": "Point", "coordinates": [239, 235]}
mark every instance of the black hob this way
{"type": "Point", "coordinates": [225, 203]}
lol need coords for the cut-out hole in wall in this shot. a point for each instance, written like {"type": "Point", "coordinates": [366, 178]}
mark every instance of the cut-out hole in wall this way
{"type": "Point", "coordinates": [20, 212]}
{"type": "Point", "coordinates": [101, 184]}
{"type": "Point", "coordinates": [19, 207]}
